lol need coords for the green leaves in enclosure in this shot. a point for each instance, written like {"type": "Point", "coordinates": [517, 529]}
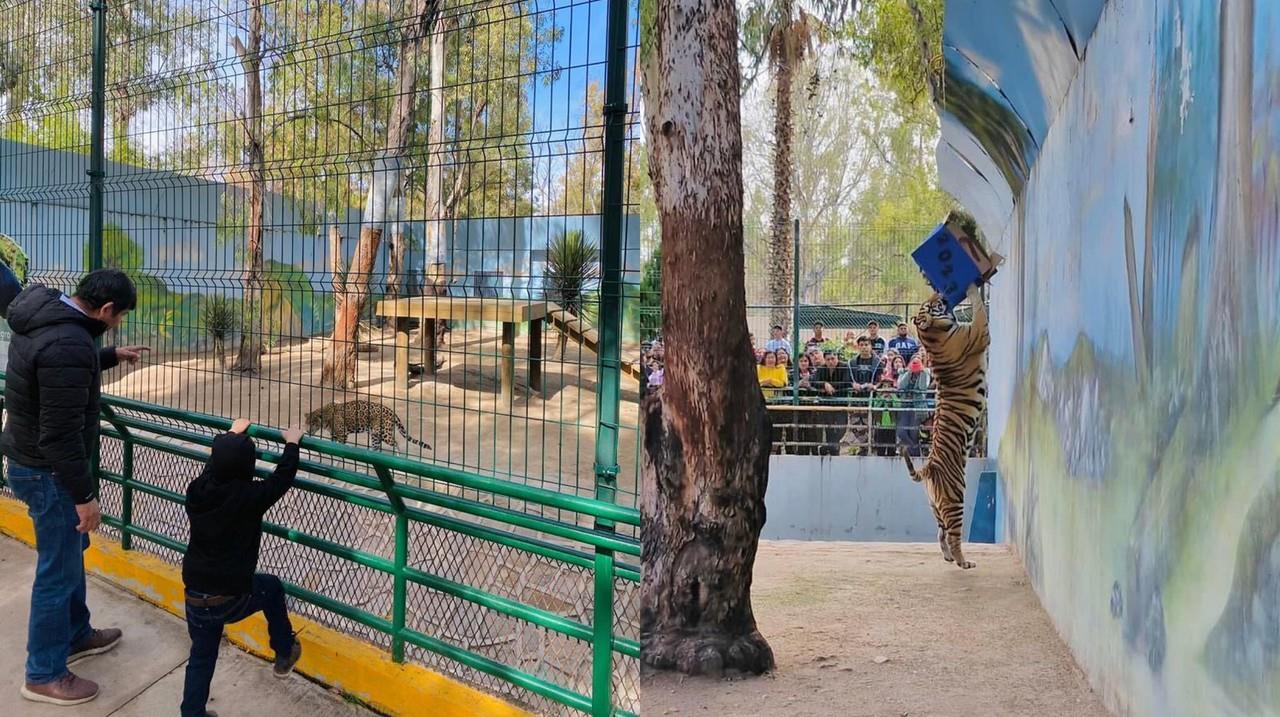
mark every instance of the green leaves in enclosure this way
{"type": "Point", "coordinates": [573, 271]}
{"type": "Point", "coordinates": [572, 274]}
{"type": "Point", "coordinates": [650, 319]}
{"type": "Point", "coordinates": [220, 318]}
{"type": "Point", "coordinates": [901, 41]}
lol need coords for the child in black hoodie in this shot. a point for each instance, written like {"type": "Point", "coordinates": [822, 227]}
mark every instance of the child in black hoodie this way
{"type": "Point", "coordinates": [226, 506]}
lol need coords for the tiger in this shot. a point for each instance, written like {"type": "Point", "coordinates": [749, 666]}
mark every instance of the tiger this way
{"type": "Point", "coordinates": [349, 417]}
{"type": "Point", "coordinates": [959, 353]}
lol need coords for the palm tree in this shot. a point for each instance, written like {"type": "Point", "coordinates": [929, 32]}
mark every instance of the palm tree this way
{"type": "Point", "coordinates": [573, 270]}
{"type": "Point", "coordinates": [784, 33]}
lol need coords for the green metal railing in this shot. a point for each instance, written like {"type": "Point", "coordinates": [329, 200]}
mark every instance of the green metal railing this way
{"type": "Point", "coordinates": [185, 435]}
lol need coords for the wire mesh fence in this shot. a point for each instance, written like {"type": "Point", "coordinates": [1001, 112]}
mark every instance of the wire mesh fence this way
{"type": "Point", "coordinates": [397, 202]}
{"type": "Point", "coordinates": [339, 213]}
{"type": "Point", "coordinates": [853, 281]}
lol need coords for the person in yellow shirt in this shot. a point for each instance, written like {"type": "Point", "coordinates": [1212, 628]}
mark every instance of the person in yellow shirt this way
{"type": "Point", "coordinates": [772, 376]}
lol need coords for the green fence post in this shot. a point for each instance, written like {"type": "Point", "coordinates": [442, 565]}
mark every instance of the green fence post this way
{"type": "Point", "coordinates": [400, 588]}
{"type": "Point", "coordinates": [126, 497]}
{"type": "Point", "coordinates": [602, 636]}
{"type": "Point", "coordinates": [610, 358]}
{"type": "Point", "coordinates": [97, 171]}
{"type": "Point", "coordinates": [126, 473]}
{"type": "Point", "coordinates": [399, 578]}
{"type": "Point", "coordinates": [97, 148]}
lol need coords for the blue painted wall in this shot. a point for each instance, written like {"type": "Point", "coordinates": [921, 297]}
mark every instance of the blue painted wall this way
{"type": "Point", "coordinates": [1135, 407]}
{"type": "Point", "coordinates": [184, 238]}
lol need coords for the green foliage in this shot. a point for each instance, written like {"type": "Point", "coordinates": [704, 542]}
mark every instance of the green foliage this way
{"type": "Point", "coordinates": [886, 38]}
{"type": "Point", "coordinates": [650, 301]}
{"type": "Point", "coordinates": [290, 305]}
{"type": "Point", "coordinates": [44, 57]}
{"type": "Point", "coordinates": [573, 271]}
{"type": "Point", "coordinates": [788, 31]}
{"type": "Point", "coordinates": [119, 251]}
{"type": "Point", "coordinates": [220, 317]}
{"type": "Point", "coordinates": [968, 223]}
{"type": "Point", "coordinates": [14, 257]}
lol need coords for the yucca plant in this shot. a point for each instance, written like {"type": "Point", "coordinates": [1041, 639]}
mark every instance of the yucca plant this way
{"type": "Point", "coordinates": [219, 316]}
{"type": "Point", "coordinates": [573, 271]}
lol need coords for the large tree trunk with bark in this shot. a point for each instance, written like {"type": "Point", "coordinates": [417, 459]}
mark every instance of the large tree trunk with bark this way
{"type": "Point", "coordinates": [249, 357]}
{"type": "Point", "coordinates": [781, 240]}
{"type": "Point", "coordinates": [706, 443]}
{"type": "Point", "coordinates": [435, 149]}
{"type": "Point", "coordinates": [386, 195]}
{"type": "Point", "coordinates": [435, 272]}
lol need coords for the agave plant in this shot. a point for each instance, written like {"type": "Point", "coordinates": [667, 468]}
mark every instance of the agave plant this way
{"type": "Point", "coordinates": [573, 272]}
{"type": "Point", "coordinates": [220, 318]}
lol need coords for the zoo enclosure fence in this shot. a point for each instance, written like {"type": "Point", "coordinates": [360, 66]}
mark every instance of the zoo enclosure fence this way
{"type": "Point", "coordinates": [269, 171]}
{"type": "Point", "coordinates": [252, 166]}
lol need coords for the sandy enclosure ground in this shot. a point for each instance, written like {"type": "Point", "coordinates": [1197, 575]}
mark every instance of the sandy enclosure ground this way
{"type": "Point", "coordinates": [547, 441]}
{"type": "Point", "coordinates": [889, 630]}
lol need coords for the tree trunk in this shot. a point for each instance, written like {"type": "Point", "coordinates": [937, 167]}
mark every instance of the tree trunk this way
{"type": "Point", "coordinates": [781, 241]}
{"type": "Point", "coordinates": [931, 76]}
{"type": "Point", "coordinates": [395, 263]}
{"type": "Point", "coordinates": [434, 270]}
{"type": "Point", "coordinates": [706, 443]}
{"type": "Point", "coordinates": [249, 358]}
{"type": "Point", "coordinates": [386, 195]}
{"type": "Point", "coordinates": [435, 149]}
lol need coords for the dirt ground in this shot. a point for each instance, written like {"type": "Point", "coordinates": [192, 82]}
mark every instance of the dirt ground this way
{"type": "Point", "coordinates": [889, 630]}
{"type": "Point", "coordinates": [547, 440]}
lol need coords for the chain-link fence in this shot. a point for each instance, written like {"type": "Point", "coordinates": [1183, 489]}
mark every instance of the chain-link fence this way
{"type": "Point", "coordinates": [853, 281]}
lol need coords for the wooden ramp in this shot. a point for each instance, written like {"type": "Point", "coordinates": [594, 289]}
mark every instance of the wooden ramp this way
{"type": "Point", "coordinates": [585, 336]}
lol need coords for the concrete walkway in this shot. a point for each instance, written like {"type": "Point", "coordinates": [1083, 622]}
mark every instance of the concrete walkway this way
{"type": "Point", "coordinates": [143, 676]}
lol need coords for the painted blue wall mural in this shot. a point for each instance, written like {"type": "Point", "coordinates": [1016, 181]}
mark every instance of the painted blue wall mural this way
{"type": "Point", "coordinates": [1136, 340]}
{"type": "Point", "coordinates": [181, 237]}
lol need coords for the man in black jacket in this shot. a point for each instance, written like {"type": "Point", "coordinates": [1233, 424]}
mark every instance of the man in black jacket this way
{"type": "Point", "coordinates": [226, 506]}
{"type": "Point", "coordinates": [51, 394]}
{"type": "Point", "coordinates": [832, 384]}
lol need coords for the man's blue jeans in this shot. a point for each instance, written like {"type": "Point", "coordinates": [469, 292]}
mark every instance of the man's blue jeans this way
{"type": "Point", "coordinates": [59, 616]}
{"type": "Point", "coordinates": [205, 624]}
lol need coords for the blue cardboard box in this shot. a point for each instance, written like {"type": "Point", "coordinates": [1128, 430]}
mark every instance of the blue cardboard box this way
{"type": "Point", "coordinates": [952, 262]}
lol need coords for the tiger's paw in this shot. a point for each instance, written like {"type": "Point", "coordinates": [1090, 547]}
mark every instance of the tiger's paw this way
{"type": "Point", "coordinates": [967, 565]}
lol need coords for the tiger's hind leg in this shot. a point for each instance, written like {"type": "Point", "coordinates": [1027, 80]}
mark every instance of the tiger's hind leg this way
{"type": "Point", "coordinates": [942, 532]}
{"type": "Point", "coordinates": [953, 522]}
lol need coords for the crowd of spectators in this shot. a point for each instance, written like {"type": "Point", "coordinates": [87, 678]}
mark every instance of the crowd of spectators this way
{"type": "Point", "coordinates": [652, 355]}
{"type": "Point", "coordinates": [877, 389]}
{"type": "Point", "coordinates": [867, 391]}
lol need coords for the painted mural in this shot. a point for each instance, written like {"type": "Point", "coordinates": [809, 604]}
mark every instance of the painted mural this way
{"type": "Point", "coordinates": [1141, 322]}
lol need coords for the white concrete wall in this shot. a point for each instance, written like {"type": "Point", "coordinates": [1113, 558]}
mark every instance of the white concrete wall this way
{"type": "Point", "coordinates": [856, 498]}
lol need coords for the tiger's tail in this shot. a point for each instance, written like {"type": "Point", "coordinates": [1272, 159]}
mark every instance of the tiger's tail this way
{"type": "Point", "coordinates": [911, 467]}
{"type": "Point", "coordinates": [401, 430]}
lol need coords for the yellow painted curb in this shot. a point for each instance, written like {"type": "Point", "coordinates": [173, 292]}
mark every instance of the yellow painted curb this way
{"type": "Point", "coordinates": [352, 666]}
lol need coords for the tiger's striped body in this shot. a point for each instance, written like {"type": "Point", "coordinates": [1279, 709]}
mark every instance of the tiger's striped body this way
{"type": "Point", "coordinates": [959, 353]}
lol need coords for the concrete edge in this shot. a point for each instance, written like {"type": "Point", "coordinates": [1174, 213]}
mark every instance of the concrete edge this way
{"type": "Point", "coordinates": [354, 667]}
